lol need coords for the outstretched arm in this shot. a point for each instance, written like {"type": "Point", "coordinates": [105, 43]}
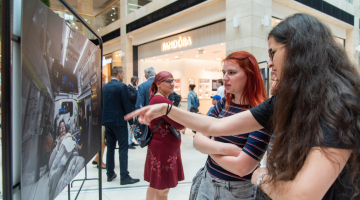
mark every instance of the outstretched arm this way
{"type": "Point", "coordinates": [208, 146]}
{"type": "Point", "coordinates": [240, 123]}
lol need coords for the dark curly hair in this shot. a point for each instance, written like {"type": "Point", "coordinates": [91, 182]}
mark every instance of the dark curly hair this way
{"type": "Point", "coordinates": [318, 85]}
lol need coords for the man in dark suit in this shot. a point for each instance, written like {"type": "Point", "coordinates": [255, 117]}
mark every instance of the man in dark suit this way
{"type": "Point", "coordinates": [116, 104]}
{"type": "Point", "coordinates": [132, 89]}
{"type": "Point", "coordinates": [143, 89]}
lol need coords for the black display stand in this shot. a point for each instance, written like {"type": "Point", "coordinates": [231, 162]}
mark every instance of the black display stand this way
{"type": "Point", "coordinates": [82, 21]}
{"type": "Point", "coordinates": [6, 136]}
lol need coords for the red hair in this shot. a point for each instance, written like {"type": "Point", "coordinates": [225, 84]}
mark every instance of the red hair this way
{"type": "Point", "coordinates": [254, 92]}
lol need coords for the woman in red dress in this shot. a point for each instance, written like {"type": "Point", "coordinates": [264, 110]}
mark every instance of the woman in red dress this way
{"type": "Point", "coordinates": [163, 166]}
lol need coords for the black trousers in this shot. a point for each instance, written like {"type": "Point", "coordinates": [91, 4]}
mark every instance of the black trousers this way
{"type": "Point", "coordinates": [117, 134]}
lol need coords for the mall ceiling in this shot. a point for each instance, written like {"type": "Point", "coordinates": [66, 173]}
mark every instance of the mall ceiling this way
{"type": "Point", "coordinates": [74, 3]}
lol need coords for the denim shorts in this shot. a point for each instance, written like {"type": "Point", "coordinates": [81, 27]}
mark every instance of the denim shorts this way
{"type": "Point", "coordinates": [212, 188]}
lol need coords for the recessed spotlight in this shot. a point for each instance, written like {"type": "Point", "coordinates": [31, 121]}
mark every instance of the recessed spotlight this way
{"type": "Point", "coordinates": [117, 55]}
{"type": "Point", "coordinates": [197, 56]}
{"type": "Point", "coordinates": [176, 56]}
{"type": "Point", "coordinates": [218, 59]}
{"type": "Point", "coordinates": [76, 27]}
{"type": "Point", "coordinates": [113, 19]}
{"type": "Point", "coordinates": [73, 23]}
{"type": "Point", "coordinates": [199, 48]}
{"type": "Point", "coordinates": [98, 29]}
{"type": "Point", "coordinates": [154, 57]}
{"type": "Point", "coordinates": [204, 51]}
{"type": "Point", "coordinates": [222, 44]}
{"type": "Point", "coordinates": [113, 8]}
{"type": "Point", "coordinates": [181, 52]}
{"type": "Point", "coordinates": [111, 15]}
{"type": "Point", "coordinates": [166, 55]}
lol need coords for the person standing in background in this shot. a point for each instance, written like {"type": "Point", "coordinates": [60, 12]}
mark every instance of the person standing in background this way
{"type": "Point", "coordinates": [143, 89]}
{"type": "Point", "coordinates": [96, 159]}
{"type": "Point", "coordinates": [221, 90]}
{"type": "Point", "coordinates": [215, 99]}
{"type": "Point", "coordinates": [116, 105]}
{"type": "Point", "coordinates": [132, 89]}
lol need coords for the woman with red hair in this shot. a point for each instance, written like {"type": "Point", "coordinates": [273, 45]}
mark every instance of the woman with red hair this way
{"type": "Point", "coordinates": [163, 165]}
{"type": "Point", "coordinates": [244, 89]}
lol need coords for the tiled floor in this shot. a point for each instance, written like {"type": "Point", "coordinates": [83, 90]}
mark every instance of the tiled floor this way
{"type": "Point", "coordinates": [192, 160]}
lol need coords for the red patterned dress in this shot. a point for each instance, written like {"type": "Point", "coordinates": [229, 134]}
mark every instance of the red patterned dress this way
{"type": "Point", "coordinates": [163, 165]}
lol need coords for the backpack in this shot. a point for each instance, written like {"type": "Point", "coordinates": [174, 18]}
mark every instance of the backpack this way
{"type": "Point", "coordinates": [195, 102]}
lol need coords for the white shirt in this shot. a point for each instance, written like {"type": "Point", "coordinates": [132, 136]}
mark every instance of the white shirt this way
{"type": "Point", "coordinates": [220, 91]}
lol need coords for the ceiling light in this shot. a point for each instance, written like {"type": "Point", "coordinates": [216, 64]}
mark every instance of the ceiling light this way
{"type": "Point", "coordinates": [167, 59]}
{"type": "Point", "coordinates": [166, 55]}
{"type": "Point", "coordinates": [154, 57]}
{"type": "Point", "coordinates": [181, 52]}
{"type": "Point", "coordinates": [197, 55]}
{"type": "Point", "coordinates": [218, 59]}
{"type": "Point", "coordinates": [199, 48]}
{"type": "Point", "coordinates": [113, 8]}
{"type": "Point", "coordinates": [113, 19]}
{"type": "Point", "coordinates": [117, 55]}
{"type": "Point", "coordinates": [76, 27]}
{"type": "Point", "coordinates": [222, 44]}
{"type": "Point", "coordinates": [73, 23]}
{"type": "Point", "coordinates": [204, 51]}
{"type": "Point", "coordinates": [98, 29]}
{"type": "Point", "coordinates": [111, 15]}
{"type": "Point", "coordinates": [176, 56]}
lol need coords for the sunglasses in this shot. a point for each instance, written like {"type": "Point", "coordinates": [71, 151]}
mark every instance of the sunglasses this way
{"type": "Point", "coordinates": [169, 81]}
{"type": "Point", "coordinates": [272, 51]}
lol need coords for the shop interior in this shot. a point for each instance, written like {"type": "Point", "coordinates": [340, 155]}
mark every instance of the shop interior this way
{"type": "Point", "coordinates": [198, 66]}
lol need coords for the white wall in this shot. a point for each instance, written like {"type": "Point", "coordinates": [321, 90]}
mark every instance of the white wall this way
{"type": "Point", "coordinates": [184, 69]}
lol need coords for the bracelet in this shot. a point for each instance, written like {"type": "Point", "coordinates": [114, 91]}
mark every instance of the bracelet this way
{"type": "Point", "coordinates": [168, 109]}
{"type": "Point", "coordinates": [258, 182]}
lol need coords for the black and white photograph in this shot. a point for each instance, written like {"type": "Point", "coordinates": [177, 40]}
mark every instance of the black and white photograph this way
{"type": "Point", "coordinates": [61, 102]}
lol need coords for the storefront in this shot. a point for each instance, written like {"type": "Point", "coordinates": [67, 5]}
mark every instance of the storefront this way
{"type": "Point", "coordinates": [110, 61]}
{"type": "Point", "coordinates": [193, 57]}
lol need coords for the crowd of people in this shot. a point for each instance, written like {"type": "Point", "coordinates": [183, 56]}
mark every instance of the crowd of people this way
{"type": "Point", "coordinates": [310, 122]}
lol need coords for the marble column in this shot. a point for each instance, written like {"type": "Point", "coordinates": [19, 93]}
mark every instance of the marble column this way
{"type": "Point", "coordinates": [251, 35]}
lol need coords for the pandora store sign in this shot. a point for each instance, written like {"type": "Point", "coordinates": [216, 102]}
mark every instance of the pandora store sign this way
{"type": "Point", "coordinates": [181, 42]}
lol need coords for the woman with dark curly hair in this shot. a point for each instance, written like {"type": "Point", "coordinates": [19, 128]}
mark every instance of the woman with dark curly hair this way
{"type": "Point", "coordinates": [315, 115]}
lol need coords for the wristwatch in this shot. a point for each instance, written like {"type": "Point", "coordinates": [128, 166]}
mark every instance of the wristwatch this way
{"type": "Point", "coordinates": [258, 182]}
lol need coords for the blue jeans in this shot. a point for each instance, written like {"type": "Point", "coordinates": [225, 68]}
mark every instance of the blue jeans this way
{"type": "Point", "coordinates": [212, 188]}
{"type": "Point", "coordinates": [119, 134]}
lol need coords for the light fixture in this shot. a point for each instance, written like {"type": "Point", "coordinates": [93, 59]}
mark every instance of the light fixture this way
{"type": "Point", "coordinates": [76, 27]}
{"type": "Point", "coordinates": [167, 59]}
{"type": "Point", "coordinates": [199, 48]}
{"type": "Point", "coordinates": [98, 29]}
{"type": "Point", "coordinates": [181, 52]}
{"type": "Point", "coordinates": [111, 15]}
{"type": "Point", "coordinates": [176, 56]}
{"type": "Point", "coordinates": [204, 51]}
{"type": "Point", "coordinates": [265, 21]}
{"type": "Point", "coordinates": [197, 56]}
{"type": "Point", "coordinates": [117, 55]}
{"type": "Point", "coordinates": [73, 23]}
{"type": "Point", "coordinates": [236, 22]}
{"type": "Point", "coordinates": [166, 55]}
{"type": "Point", "coordinates": [154, 57]}
{"type": "Point", "coordinates": [218, 59]}
{"type": "Point", "coordinates": [113, 19]}
{"type": "Point", "coordinates": [122, 54]}
{"type": "Point", "coordinates": [113, 8]}
{"type": "Point", "coordinates": [357, 48]}
{"type": "Point", "coordinates": [159, 59]}
{"type": "Point", "coordinates": [222, 44]}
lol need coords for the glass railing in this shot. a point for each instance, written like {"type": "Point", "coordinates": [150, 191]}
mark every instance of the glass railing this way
{"type": "Point", "coordinates": [108, 15]}
{"type": "Point", "coordinates": [103, 18]}
{"type": "Point", "coordinates": [132, 5]}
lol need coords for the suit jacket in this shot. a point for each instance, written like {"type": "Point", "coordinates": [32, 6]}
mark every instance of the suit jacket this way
{"type": "Point", "coordinates": [116, 104]}
{"type": "Point", "coordinates": [143, 93]}
{"type": "Point", "coordinates": [132, 95]}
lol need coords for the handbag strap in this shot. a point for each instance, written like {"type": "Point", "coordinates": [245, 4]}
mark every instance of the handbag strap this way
{"type": "Point", "coordinates": [152, 132]}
